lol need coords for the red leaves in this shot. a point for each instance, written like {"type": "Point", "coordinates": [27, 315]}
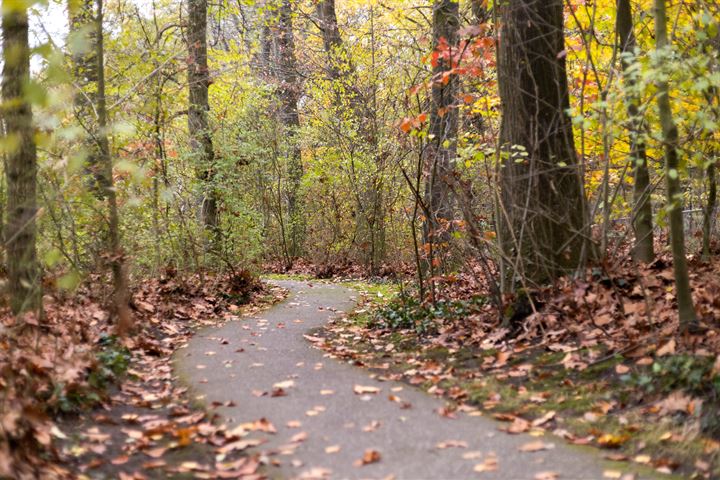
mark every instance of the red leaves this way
{"type": "Point", "coordinates": [408, 124]}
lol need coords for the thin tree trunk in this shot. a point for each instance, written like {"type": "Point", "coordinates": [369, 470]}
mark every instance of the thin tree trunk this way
{"type": "Point", "coordinates": [24, 284]}
{"type": "Point", "coordinates": [117, 256]}
{"type": "Point", "coordinates": [686, 310]}
{"type": "Point", "coordinates": [82, 42]}
{"type": "Point", "coordinates": [442, 145]}
{"type": "Point", "coordinates": [709, 211]}
{"type": "Point", "coordinates": [712, 48]}
{"type": "Point", "coordinates": [159, 159]}
{"type": "Point", "coordinates": [543, 210]}
{"type": "Point", "coordinates": [362, 116]}
{"type": "Point", "coordinates": [198, 108]}
{"type": "Point", "coordinates": [642, 221]}
{"type": "Point", "coordinates": [290, 118]}
{"type": "Point", "coordinates": [376, 218]}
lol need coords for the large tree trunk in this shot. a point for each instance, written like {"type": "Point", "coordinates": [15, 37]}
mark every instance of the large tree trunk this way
{"type": "Point", "coordinates": [442, 145]}
{"type": "Point", "coordinates": [642, 207]}
{"type": "Point", "coordinates": [686, 309]}
{"type": "Point", "coordinates": [543, 211]}
{"type": "Point", "coordinates": [289, 93]}
{"type": "Point", "coordinates": [21, 168]}
{"type": "Point", "coordinates": [107, 184]}
{"type": "Point", "coordinates": [198, 123]}
{"type": "Point", "coordinates": [338, 62]}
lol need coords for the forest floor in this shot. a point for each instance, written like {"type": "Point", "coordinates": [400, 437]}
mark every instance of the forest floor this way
{"type": "Point", "coordinates": [601, 362]}
{"type": "Point", "coordinates": [324, 418]}
{"type": "Point", "coordinates": [78, 402]}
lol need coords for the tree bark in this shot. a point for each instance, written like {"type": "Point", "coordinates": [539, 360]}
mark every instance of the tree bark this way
{"type": "Point", "coordinates": [24, 283]}
{"type": "Point", "coordinates": [642, 221]}
{"type": "Point", "coordinates": [107, 183]}
{"type": "Point", "coordinates": [710, 205]}
{"type": "Point", "coordinates": [199, 106]}
{"type": "Point", "coordinates": [711, 48]}
{"type": "Point", "coordinates": [289, 93]}
{"type": "Point", "coordinates": [82, 45]}
{"type": "Point", "coordinates": [441, 149]}
{"type": "Point", "coordinates": [686, 310]}
{"type": "Point", "coordinates": [543, 209]}
{"type": "Point", "coordinates": [338, 61]}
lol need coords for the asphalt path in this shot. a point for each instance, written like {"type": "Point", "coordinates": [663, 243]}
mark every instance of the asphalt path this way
{"type": "Point", "coordinates": [325, 424]}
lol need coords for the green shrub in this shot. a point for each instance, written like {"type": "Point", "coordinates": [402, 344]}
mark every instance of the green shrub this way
{"type": "Point", "coordinates": [112, 362]}
{"type": "Point", "coordinates": [693, 374]}
{"type": "Point", "coordinates": [408, 313]}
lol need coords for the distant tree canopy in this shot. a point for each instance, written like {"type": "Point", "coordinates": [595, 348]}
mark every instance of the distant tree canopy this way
{"type": "Point", "coordinates": [536, 137]}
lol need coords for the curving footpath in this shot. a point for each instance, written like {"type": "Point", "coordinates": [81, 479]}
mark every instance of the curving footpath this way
{"type": "Point", "coordinates": [242, 361]}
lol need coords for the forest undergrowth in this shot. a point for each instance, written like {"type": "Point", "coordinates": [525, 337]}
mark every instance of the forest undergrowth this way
{"type": "Point", "coordinates": [78, 402]}
{"type": "Point", "coordinates": [597, 361]}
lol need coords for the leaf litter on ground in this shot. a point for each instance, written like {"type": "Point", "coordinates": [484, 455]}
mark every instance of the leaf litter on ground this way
{"type": "Point", "coordinates": [133, 416]}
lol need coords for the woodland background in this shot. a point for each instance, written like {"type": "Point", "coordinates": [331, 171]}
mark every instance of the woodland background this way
{"type": "Point", "coordinates": [555, 158]}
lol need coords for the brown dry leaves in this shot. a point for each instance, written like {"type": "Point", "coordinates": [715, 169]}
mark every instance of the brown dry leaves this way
{"type": "Point", "coordinates": [58, 357]}
{"type": "Point", "coordinates": [369, 456]}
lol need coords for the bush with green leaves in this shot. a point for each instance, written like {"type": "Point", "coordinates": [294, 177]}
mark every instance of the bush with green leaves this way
{"type": "Point", "coordinates": [112, 361]}
{"type": "Point", "coordinates": [692, 374]}
{"type": "Point", "coordinates": [408, 313]}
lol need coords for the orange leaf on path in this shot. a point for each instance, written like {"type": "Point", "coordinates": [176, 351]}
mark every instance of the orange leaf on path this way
{"type": "Point", "coordinates": [370, 456]}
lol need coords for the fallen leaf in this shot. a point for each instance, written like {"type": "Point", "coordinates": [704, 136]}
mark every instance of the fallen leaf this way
{"type": "Point", "coordinates": [667, 349]}
{"type": "Point", "coordinates": [262, 425]}
{"type": "Point", "coordinates": [489, 465]}
{"type": "Point", "coordinates": [372, 426]}
{"type": "Point", "coordinates": [501, 358]}
{"type": "Point", "coordinates": [610, 440]}
{"type": "Point", "coordinates": [370, 456]}
{"type": "Point", "coordinates": [155, 452]}
{"type": "Point", "coordinates": [546, 476]}
{"type": "Point", "coordinates": [519, 425]}
{"type": "Point", "coordinates": [446, 412]}
{"type": "Point", "coordinates": [149, 465]}
{"type": "Point", "coordinates": [451, 444]}
{"type": "Point", "coordinates": [544, 419]}
{"type": "Point", "coordinates": [285, 384]}
{"type": "Point", "coordinates": [472, 455]}
{"type": "Point", "coordinates": [315, 473]}
{"type": "Point", "coordinates": [278, 392]}
{"type": "Point", "coordinates": [238, 446]}
{"type": "Point", "coordinates": [362, 390]}
{"type": "Point", "coordinates": [122, 459]}
{"type": "Point", "coordinates": [536, 446]}
{"type": "Point", "coordinates": [675, 402]}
